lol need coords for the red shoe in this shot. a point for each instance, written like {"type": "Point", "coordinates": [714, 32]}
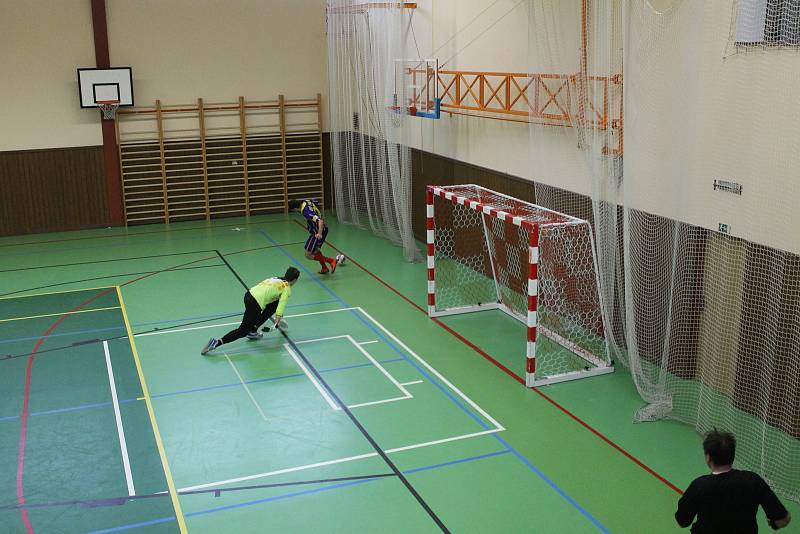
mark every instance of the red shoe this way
{"type": "Point", "coordinates": [333, 265]}
{"type": "Point", "coordinates": [324, 271]}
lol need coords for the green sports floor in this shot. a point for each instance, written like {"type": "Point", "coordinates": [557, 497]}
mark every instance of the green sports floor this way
{"type": "Point", "coordinates": [365, 416]}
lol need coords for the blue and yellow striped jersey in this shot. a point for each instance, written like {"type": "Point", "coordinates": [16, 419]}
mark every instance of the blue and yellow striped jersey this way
{"type": "Point", "coordinates": [312, 213]}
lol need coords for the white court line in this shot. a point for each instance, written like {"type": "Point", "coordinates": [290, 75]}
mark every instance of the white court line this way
{"type": "Point", "coordinates": [249, 394]}
{"type": "Point", "coordinates": [443, 440]}
{"type": "Point", "coordinates": [412, 383]}
{"type": "Point", "coordinates": [332, 462]}
{"type": "Point", "coordinates": [434, 371]}
{"type": "Point", "coordinates": [279, 472]}
{"type": "Point", "coordinates": [368, 342]}
{"type": "Point", "coordinates": [382, 401]}
{"type": "Point", "coordinates": [174, 330]}
{"type": "Point", "coordinates": [379, 366]}
{"type": "Point", "coordinates": [311, 377]}
{"type": "Point", "coordinates": [379, 325]}
{"type": "Point", "coordinates": [120, 432]}
{"type": "Point", "coordinates": [329, 338]}
{"type": "Point", "coordinates": [382, 369]}
{"type": "Point", "coordinates": [469, 401]}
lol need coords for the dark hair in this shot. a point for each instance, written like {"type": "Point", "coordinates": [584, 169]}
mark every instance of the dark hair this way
{"type": "Point", "coordinates": [291, 275]}
{"type": "Point", "coordinates": [720, 447]}
{"type": "Point", "coordinates": [294, 204]}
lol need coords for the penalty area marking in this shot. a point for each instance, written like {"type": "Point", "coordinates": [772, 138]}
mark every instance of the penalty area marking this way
{"type": "Point", "coordinates": [358, 309]}
{"type": "Point", "coordinates": [405, 394]}
{"type": "Point", "coordinates": [355, 309]}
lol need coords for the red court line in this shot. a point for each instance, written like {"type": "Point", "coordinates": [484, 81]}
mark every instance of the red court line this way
{"type": "Point", "coordinates": [26, 398]}
{"type": "Point", "coordinates": [23, 434]}
{"type": "Point", "coordinates": [514, 376]}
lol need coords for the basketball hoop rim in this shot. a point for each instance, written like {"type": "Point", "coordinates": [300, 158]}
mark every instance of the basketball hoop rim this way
{"type": "Point", "coordinates": [108, 108]}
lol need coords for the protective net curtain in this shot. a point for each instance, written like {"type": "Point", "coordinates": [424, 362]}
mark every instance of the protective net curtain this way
{"type": "Point", "coordinates": [707, 324]}
{"type": "Point", "coordinates": [370, 155]}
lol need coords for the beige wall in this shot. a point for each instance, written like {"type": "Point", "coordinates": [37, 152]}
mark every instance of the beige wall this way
{"type": "Point", "coordinates": [220, 49]}
{"type": "Point", "coordinates": [42, 43]}
{"type": "Point", "coordinates": [696, 112]}
{"type": "Point", "coordinates": [179, 50]}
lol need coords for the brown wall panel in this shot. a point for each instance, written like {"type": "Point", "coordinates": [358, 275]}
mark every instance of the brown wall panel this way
{"type": "Point", "coordinates": [432, 169]}
{"type": "Point", "coordinates": [52, 190]}
{"type": "Point", "coordinates": [327, 170]}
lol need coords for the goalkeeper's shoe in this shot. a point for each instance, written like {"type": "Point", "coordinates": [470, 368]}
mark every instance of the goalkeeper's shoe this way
{"type": "Point", "coordinates": [212, 344]}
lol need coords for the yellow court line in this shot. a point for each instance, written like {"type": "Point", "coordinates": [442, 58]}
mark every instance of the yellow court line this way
{"type": "Point", "coordinates": [56, 292]}
{"type": "Point", "coordinates": [60, 313]}
{"type": "Point", "coordinates": [160, 444]}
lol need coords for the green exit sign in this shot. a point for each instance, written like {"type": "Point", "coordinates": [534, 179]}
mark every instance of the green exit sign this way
{"type": "Point", "coordinates": [724, 228]}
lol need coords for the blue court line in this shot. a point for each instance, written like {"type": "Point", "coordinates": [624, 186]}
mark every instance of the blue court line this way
{"type": "Point", "coordinates": [524, 460]}
{"type": "Point", "coordinates": [455, 462]}
{"type": "Point", "coordinates": [270, 379]}
{"type": "Point", "coordinates": [68, 409]}
{"type": "Point", "coordinates": [90, 331]}
{"type": "Point", "coordinates": [134, 525]}
{"type": "Point", "coordinates": [333, 487]}
{"type": "Point", "coordinates": [195, 390]}
{"type": "Point", "coordinates": [553, 485]}
{"type": "Point", "coordinates": [290, 495]}
{"type": "Point", "coordinates": [93, 330]}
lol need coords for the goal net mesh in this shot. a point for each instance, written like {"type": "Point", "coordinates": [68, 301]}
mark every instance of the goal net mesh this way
{"type": "Point", "coordinates": [481, 262]}
{"type": "Point", "coordinates": [706, 321]}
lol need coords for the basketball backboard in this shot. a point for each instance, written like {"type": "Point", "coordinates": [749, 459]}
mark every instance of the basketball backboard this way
{"type": "Point", "coordinates": [102, 85]}
{"type": "Point", "coordinates": [416, 87]}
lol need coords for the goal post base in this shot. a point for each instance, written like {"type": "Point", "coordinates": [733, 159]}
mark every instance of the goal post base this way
{"type": "Point", "coordinates": [465, 309]}
{"type": "Point", "coordinates": [532, 382]}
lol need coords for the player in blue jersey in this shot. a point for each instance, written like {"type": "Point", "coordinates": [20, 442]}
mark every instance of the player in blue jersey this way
{"type": "Point", "coordinates": [317, 230]}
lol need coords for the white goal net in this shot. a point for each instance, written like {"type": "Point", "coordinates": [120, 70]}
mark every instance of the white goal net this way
{"type": "Point", "coordinates": [490, 251]}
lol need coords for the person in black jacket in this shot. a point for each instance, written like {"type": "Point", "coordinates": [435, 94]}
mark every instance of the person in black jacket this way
{"type": "Point", "coordinates": [727, 500]}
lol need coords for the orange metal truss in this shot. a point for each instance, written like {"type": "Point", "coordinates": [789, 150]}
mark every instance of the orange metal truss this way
{"type": "Point", "coordinates": [541, 98]}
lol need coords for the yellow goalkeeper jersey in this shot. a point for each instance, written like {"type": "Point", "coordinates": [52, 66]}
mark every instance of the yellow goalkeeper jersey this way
{"type": "Point", "coordinates": [270, 290]}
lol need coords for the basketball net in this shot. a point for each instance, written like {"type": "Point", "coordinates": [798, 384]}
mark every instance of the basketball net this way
{"type": "Point", "coordinates": [109, 108]}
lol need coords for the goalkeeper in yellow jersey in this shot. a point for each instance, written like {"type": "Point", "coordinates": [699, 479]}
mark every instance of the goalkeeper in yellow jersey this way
{"type": "Point", "coordinates": [265, 300]}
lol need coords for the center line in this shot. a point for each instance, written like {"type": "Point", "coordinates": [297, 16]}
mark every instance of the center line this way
{"type": "Point", "coordinates": [235, 370]}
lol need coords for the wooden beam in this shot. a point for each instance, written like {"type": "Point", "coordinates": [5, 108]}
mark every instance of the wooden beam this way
{"type": "Point", "coordinates": [321, 158]}
{"type": "Point", "coordinates": [243, 132]}
{"type": "Point", "coordinates": [202, 116]}
{"type": "Point", "coordinates": [160, 121]}
{"type": "Point", "coordinates": [110, 152]}
{"type": "Point", "coordinates": [282, 111]}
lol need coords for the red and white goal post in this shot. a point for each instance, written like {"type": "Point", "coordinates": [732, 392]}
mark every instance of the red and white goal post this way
{"type": "Point", "coordinates": [489, 251]}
